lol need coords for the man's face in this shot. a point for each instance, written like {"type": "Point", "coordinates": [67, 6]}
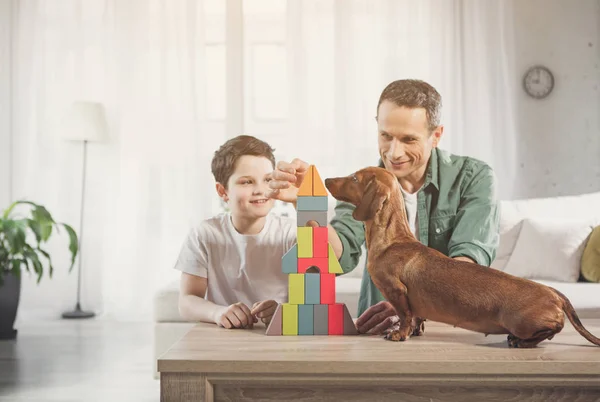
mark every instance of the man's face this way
{"type": "Point", "coordinates": [405, 141]}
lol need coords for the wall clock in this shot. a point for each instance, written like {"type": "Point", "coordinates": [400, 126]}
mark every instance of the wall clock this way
{"type": "Point", "coordinates": [538, 82]}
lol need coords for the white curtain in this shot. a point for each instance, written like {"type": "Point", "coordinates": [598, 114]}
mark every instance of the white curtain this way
{"type": "Point", "coordinates": [146, 60]}
{"type": "Point", "coordinates": [346, 52]}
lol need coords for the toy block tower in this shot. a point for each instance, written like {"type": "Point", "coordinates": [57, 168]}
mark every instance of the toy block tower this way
{"type": "Point", "coordinates": [312, 266]}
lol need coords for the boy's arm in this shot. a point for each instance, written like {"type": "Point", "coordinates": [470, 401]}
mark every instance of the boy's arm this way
{"type": "Point", "coordinates": [350, 234]}
{"type": "Point", "coordinates": [193, 306]}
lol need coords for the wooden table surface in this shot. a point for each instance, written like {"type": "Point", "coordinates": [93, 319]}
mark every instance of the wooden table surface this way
{"type": "Point", "coordinates": [247, 358]}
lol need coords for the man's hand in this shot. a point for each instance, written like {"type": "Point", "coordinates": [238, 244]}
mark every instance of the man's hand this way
{"type": "Point", "coordinates": [237, 315]}
{"type": "Point", "coordinates": [377, 319]}
{"type": "Point", "coordinates": [264, 310]}
{"type": "Point", "coordinates": [287, 179]}
{"type": "Point", "coordinates": [465, 259]}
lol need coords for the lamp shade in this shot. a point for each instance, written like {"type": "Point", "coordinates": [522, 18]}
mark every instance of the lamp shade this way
{"type": "Point", "coordinates": [85, 121]}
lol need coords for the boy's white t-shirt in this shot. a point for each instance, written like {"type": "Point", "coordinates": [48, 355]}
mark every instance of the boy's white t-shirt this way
{"type": "Point", "coordinates": [239, 268]}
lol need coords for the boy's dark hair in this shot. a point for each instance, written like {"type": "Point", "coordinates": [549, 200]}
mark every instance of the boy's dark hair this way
{"type": "Point", "coordinates": [415, 94]}
{"type": "Point", "coordinates": [225, 158]}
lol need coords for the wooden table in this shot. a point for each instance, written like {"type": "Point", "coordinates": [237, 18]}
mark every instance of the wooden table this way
{"type": "Point", "coordinates": [445, 364]}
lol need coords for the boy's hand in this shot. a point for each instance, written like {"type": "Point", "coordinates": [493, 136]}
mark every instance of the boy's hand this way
{"type": "Point", "coordinates": [287, 179]}
{"type": "Point", "coordinates": [264, 310]}
{"type": "Point", "coordinates": [236, 316]}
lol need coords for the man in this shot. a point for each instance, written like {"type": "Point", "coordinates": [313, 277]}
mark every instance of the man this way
{"type": "Point", "coordinates": [450, 200]}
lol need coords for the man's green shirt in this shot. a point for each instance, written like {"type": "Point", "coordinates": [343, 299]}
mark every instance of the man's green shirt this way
{"type": "Point", "coordinates": [457, 213]}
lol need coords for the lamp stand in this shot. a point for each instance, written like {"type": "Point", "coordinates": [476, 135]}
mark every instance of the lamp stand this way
{"type": "Point", "coordinates": [78, 312]}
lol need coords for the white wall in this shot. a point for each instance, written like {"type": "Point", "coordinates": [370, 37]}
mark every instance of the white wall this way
{"type": "Point", "coordinates": [5, 99]}
{"type": "Point", "coordinates": [560, 148]}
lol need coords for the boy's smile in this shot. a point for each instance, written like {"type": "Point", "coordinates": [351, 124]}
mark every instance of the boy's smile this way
{"type": "Point", "coordinates": [246, 192]}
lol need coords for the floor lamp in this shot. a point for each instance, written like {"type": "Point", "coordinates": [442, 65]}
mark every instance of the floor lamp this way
{"type": "Point", "coordinates": [85, 122]}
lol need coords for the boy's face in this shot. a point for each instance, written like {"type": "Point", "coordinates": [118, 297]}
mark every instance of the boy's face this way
{"type": "Point", "coordinates": [247, 187]}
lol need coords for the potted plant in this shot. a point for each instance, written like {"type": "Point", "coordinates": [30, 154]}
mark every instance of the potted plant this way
{"type": "Point", "coordinates": [21, 239]}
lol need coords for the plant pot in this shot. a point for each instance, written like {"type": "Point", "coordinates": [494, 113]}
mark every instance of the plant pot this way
{"type": "Point", "coordinates": [10, 292]}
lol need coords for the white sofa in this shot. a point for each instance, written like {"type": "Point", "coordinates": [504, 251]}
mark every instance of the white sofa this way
{"type": "Point", "coordinates": [585, 297]}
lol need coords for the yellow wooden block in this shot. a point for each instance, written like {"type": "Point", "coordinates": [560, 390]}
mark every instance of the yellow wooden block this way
{"type": "Point", "coordinates": [305, 241]}
{"type": "Point", "coordinates": [307, 184]}
{"type": "Point", "coordinates": [334, 264]}
{"type": "Point", "coordinates": [296, 288]}
{"type": "Point", "coordinates": [318, 186]}
{"type": "Point", "coordinates": [290, 319]}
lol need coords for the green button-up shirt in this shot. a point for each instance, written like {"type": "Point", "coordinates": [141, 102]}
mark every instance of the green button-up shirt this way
{"type": "Point", "coordinates": [457, 212]}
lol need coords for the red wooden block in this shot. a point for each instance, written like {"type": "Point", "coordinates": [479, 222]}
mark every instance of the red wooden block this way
{"type": "Point", "coordinates": [327, 288]}
{"type": "Point", "coordinates": [336, 319]}
{"type": "Point", "coordinates": [320, 243]}
{"type": "Point", "coordinates": [305, 263]}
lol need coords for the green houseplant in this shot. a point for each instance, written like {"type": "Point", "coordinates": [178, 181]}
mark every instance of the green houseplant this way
{"type": "Point", "coordinates": [21, 241]}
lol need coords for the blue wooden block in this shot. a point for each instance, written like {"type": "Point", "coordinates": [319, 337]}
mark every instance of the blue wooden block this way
{"type": "Point", "coordinates": [312, 288]}
{"type": "Point", "coordinates": [321, 319]}
{"type": "Point", "coordinates": [289, 262]}
{"type": "Point", "coordinates": [311, 203]}
{"type": "Point", "coordinates": [305, 319]}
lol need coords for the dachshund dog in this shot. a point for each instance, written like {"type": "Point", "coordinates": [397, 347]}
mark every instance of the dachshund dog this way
{"type": "Point", "coordinates": [422, 283]}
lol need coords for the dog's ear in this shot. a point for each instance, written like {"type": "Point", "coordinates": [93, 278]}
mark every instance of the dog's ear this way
{"type": "Point", "coordinates": [371, 203]}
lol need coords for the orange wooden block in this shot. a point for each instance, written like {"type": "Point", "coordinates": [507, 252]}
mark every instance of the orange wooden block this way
{"type": "Point", "coordinates": [320, 243]}
{"type": "Point", "coordinates": [327, 288]}
{"type": "Point", "coordinates": [306, 188]}
{"type": "Point", "coordinates": [318, 186]}
{"type": "Point", "coordinates": [321, 263]}
{"type": "Point", "coordinates": [336, 319]}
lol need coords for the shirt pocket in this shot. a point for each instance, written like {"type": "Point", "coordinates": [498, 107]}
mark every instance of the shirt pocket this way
{"type": "Point", "coordinates": [441, 229]}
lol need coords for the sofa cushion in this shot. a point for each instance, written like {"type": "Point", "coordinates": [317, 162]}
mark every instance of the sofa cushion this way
{"type": "Point", "coordinates": [549, 249]}
{"type": "Point", "coordinates": [166, 303]}
{"type": "Point", "coordinates": [512, 214]}
{"type": "Point", "coordinates": [590, 261]}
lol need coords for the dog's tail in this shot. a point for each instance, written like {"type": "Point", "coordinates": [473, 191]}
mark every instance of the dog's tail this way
{"type": "Point", "coordinates": [572, 315]}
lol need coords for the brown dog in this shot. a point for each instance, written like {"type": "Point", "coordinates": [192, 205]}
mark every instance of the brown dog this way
{"type": "Point", "coordinates": [422, 283]}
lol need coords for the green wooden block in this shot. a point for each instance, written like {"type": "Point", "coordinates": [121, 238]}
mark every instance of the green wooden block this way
{"type": "Point", "coordinates": [290, 319]}
{"type": "Point", "coordinates": [305, 319]}
{"type": "Point", "coordinates": [312, 288]}
{"type": "Point", "coordinates": [312, 204]}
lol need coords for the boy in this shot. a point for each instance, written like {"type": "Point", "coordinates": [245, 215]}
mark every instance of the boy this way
{"type": "Point", "coordinates": [233, 261]}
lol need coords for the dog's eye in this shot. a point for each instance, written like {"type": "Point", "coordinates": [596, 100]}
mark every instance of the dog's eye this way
{"type": "Point", "coordinates": [354, 178]}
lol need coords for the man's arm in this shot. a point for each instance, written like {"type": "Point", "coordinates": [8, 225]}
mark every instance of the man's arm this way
{"type": "Point", "coordinates": [476, 229]}
{"type": "Point", "coordinates": [350, 236]}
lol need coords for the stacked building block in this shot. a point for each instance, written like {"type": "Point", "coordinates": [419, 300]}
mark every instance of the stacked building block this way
{"type": "Point", "coordinates": [311, 266]}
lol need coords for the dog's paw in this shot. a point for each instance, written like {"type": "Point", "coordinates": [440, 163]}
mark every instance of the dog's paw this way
{"type": "Point", "coordinates": [419, 327]}
{"type": "Point", "coordinates": [513, 341]}
{"type": "Point", "coordinates": [395, 336]}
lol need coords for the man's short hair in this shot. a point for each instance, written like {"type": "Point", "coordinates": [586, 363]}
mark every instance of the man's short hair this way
{"type": "Point", "coordinates": [415, 94]}
{"type": "Point", "coordinates": [225, 158]}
